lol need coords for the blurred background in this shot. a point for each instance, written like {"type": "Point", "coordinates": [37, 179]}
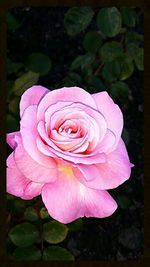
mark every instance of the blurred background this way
{"type": "Point", "coordinates": [98, 49]}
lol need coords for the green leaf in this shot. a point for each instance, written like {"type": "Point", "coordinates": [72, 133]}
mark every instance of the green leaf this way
{"type": "Point", "coordinates": [97, 83]}
{"type": "Point", "coordinates": [30, 214]}
{"type": "Point", "coordinates": [119, 89]}
{"type": "Point", "coordinates": [14, 105]}
{"type": "Point", "coordinates": [54, 232]}
{"type": "Point", "coordinates": [133, 37]}
{"type": "Point", "coordinates": [11, 123]}
{"type": "Point", "coordinates": [56, 253]}
{"type": "Point", "coordinates": [27, 254]}
{"type": "Point", "coordinates": [76, 225]}
{"type": "Point", "coordinates": [24, 82]}
{"type": "Point", "coordinates": [126, 66]}
{"type": "Point", "coordinates": [125, 136]}
{"type": "Point", "coordinates": [87, 71]}
{"type": "Point", "coordinates": [13, 67]}
{"type": "Point", "coordinates": [110, 50]}
{"type": "Point", "coordinates": [111, 71]}
{"type": "Point", "coordinates": [44, 213]}
{"type": "Point", "coordinates": [82, 61]}
{"type": "Point", "coordinates": [137, 54]}
{"type": "Point", "coordinates": [39, 63]}
{"type": "Point", "coordinates": [92, 42]}
{"type": "Point", "coordinates": [12, 22]}
{"type": "Point", "coordinates": [24, 234]}
{"type": "Point", "coordinates": [77, 19]}
{"type": "Point", "coordinates": [139, 58]}
{"type": "Point", "coordinates": [129, 16]}
{"type": "Point", "coordinates": [109, 21]}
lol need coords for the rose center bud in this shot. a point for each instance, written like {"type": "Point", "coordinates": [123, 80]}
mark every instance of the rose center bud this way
{"type": "Point", "coordinates": [69, 134]}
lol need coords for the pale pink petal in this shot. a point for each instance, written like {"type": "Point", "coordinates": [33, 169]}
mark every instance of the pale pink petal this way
{"type": "Point", "coordinates": [54, 144]}
{"type": "Point", "coordinates": [75, 158]}
{"type": "Point", "coordinates": [10, 139]}
{"type": "Point", "coordinates": [67, 199]}
{"type": "Point", "coordinates": [32, 96]}
{"type": "Point", "coordinates": [107, 142]}
{"type": "Point", "coordinates": [86, 172]}
{"type": "Point", "coordinates": [112, 114]}
{"type": "Point", "coordinates": [72, 94]}
{"type": "Point", "coordinates": [115, 171]}
{"type": "Point", "coordinates": [93, 119]}
{"type": "Point", "coordinates": [16, 182]}
{"type": "Point", "coordinates": [28, 129]}
{"type": "Point", "coordinates": [33, 170]}
{"type": "Point", "coordinates": [32, 190]}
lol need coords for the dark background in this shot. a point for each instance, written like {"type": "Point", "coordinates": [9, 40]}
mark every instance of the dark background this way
{"type": "Point", "coordinates": [120, 236]}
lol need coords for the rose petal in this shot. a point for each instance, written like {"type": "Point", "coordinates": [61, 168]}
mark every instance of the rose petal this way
{"type": "Point", "coordinates": [78, 201]}
{"type": "Point", "coordinates": [112, 114]}
{"type": "Point", "coordinates": [10, 139]}
{"type": "Point", "coordinates": [115, 171]}
{"type": "Point", "coordinates": [107, 142]}
{"type": "Point", "coordinates": [16, 182]}
{"type": "Point", "coordinates": [72, 94]}
{"type": "Point", "coordinates": [79, 111]}
{"type": "Point", "coordinates": [31, 169]}
{"type": "Point", "coordinates": [32, 96]}
{"type": "Point", "coordinates": [56, 146]}
{"type": "Point", "coordinates": [29, 133]}
{"type": "Point", "coordinates": [32, 190]}
{"type": "Point", "coordinates": [75, 158]}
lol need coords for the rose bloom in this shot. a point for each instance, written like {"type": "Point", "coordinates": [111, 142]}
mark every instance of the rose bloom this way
{"type": "Point", "coordinates": [69, 150]}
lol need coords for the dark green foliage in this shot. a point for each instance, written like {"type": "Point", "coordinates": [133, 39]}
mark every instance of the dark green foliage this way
{"type": "Point", "coordinates": [76, 225]}
{"type": "Point", "coordinates": [77, 19]}
{"type": "Point", "coordinates": [30, 214]}
{"type": "Point", "coordinates": [25, 81]}
{"type": "Point", "coordinates": [39, 63]}
{"type": "Point", "coordinates": [98, 49]}
{"type": "Point", "coordinates": [129, 16]}
{"type": "Point", "coordinates": [119, 89]}
{"type": "Point", "coordinates": [27, 254]}
{"type": "Point", "coordinates": [109, 21]}
{"type": "Point", "coordinates": [56, 253]}
{"type": "Point", "coordinates": [110, 50]}
{"type": "Point", "coordinates": [24, 234]}
{"type": "Point", "coordinates": [54, 232]}
{"type": "Point", "coordinates": [92, 41]}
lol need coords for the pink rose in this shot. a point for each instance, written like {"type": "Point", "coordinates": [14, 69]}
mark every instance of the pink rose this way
{"type": "Point", "coordinates": [69, 150]}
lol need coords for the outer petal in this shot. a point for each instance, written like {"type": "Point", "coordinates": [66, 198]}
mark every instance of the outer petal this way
{"type": "Point", "coordinates": [112, 114]}
{"type": "Point", "coordinates": [73, 94]}
{"type": "Point", "coordinates": [115, 171]}
{"type": "Point", "coordinates": [32, 96]}
{"type": "Point", "coordinates": [67, 200]}
{"type": "Point", "coordinates": [31, 169]}
{"type": "Point", "coordinates": [32, 190]}
{"type": "Point", "coordinates": [107, 143]}
{"type": "Point", "coordinates": [10, 139]}
{"type": "Point", "coordinates": [28, 129]}
{"type": "Point", "coordinates": [17, 184]}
